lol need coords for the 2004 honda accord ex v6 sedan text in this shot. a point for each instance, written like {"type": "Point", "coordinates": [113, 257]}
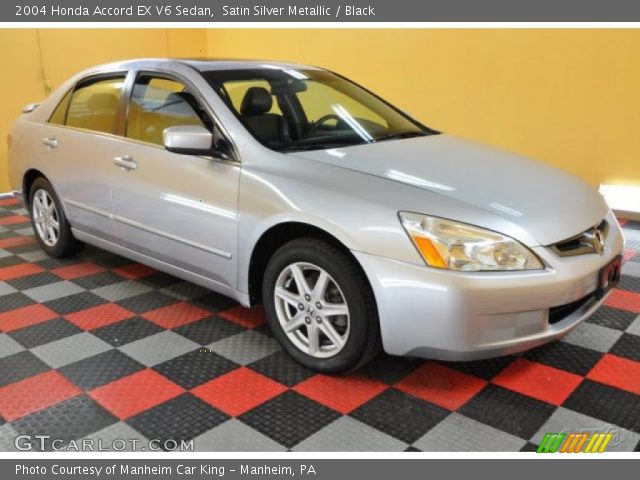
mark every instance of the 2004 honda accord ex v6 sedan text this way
{"type": "Point", "coordinates": [355, 225]}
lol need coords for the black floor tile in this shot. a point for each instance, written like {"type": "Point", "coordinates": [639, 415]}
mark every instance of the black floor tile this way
{"type": "Point", "coordinates": [508, 411]}
{"type": "Point", "coordinates": [390, 369]}
{"type": "Point", "coordinates": [628, 346]}
{"type": "Point", "coordinates": [183, 418]}
{"type": "Point", "coordinates": [565, 356]}
{"type": "Point", "coordinates": [72, 419]}
{"type": "Point", "coordinates": [400, 415]}
{"type": "Point", "coordinates": [19, 366]}
{"type": "Point", "coordinates": [75, 303]}
{"type": "Point", "coordinates": [612, 318]}
{"type": "Point", "coordinates": [279, 366]}
{"type": "Point", "coordinates": [209, 330]}
{"type": "Point", "coordinates": [195, 368]}
{"type": "Point", "coordinates": [45, 332]}
{"type": "Point", "coordinates": [606, 403]}
{"type": "Point", "coordinates": [101, 369]}
{"type": "Point", "coordinates": [485, 369]}
{"type": "Point", "coordinates": [127, 331]}
{"type": "Point", "coordinates": [14, 301]}
{"type": "Point", "coordinates": [147, 302]}
{"type": "Point", "coordinates": [289, 418]}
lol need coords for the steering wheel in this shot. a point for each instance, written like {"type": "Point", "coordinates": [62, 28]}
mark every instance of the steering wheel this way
{"type": "Point", "coordinates": [324, 119]}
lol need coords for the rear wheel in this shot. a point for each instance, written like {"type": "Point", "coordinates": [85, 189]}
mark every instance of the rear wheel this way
{"type": "Point", "coordinates": [51, 228]}
{"type": "Point", "coordinates": [320, 306]}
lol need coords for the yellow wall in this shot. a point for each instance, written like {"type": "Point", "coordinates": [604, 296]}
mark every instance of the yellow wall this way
{"type": "Point", "coordinates": [568, 97]}
{"type": "Point", "coordinates": [37, 61]}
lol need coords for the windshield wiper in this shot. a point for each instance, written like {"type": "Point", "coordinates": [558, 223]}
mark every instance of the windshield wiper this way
{"type": "Point", "coordinates": [313, 146]}
{"type": "Point", "coordinates": [398, 135]}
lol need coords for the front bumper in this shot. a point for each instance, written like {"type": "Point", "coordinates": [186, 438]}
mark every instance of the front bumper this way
{"type": "Point", "coordinates": [460, 316]}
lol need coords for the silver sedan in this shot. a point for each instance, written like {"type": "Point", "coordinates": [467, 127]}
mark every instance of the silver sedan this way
{"type": "Point", "coordinates": [356, 226]}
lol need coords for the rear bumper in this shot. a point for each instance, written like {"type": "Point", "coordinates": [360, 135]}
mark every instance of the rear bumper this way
{"type": "Point", "coordinates": [465, 316]}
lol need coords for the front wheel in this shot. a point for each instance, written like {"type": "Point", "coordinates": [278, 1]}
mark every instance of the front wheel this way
{"type": "Point", "coordinates": [320, 306]}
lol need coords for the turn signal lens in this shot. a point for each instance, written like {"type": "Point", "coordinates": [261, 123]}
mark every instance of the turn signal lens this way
{"type": "Point", "coordinates": [458, 246]}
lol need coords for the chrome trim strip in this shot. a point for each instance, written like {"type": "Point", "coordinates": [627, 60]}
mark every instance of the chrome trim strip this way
{"type": "Point", "coordinates": [169, 236]}
{"type": "Point", "coordinates": [88, 208]}
{"type": "Point", "coordinates": [146, 228]}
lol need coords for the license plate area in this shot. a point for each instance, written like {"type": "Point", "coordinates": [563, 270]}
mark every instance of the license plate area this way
{"type": "Point", "coordinates": [608, 277]}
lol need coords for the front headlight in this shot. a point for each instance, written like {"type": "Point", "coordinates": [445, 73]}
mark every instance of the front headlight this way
{"type": "Point", "coordinates": [459, 246]}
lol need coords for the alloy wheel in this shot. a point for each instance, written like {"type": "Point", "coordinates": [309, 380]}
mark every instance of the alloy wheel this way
{"type": "Point", "coordinates": [46, 218]}
{"type": "Point", "coordinates": [312, 310]}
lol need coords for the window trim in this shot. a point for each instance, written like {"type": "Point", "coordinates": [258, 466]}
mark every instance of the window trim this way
{"type": "Point", "coordinates": [166, 75]}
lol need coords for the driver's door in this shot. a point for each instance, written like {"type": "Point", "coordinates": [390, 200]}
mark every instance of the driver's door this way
{"type": "Point", "coordinates": [180, 209]}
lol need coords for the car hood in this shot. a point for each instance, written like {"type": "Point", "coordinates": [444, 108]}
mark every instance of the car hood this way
{"type": "Point", "coordinates": [550, 204]}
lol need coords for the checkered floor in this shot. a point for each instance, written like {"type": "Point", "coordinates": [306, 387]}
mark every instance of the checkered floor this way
{"type": "Point", "coordinates": [99, 347]}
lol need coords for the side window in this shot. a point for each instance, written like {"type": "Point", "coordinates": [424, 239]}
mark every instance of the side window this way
{"type": "Point", "coordinates": [237, 89]}
{"type": "Point", "coordinates": [59, 114]}
{"type": "Point", "coordinates": [159, 103]}
{"type": "Point", "coordinates": [94, 105]}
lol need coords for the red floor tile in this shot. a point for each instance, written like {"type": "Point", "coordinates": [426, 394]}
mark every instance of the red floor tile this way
{"type": "Point", "coordinates": [173, 316]}
{"type": "Point", "coordinates": [20, 270]}
{"type": "Point", "coordinates": [7, 202]}
{"type": "Point", "coordinates": [618, 372]}
{"type": "Point", "coordinates": [25, 317]}
{"type": "Point", "coordinates": [99, 316]}
{"type": "Point", "coordinates": [79, 270]}
{"type": "Point", "coordinates": [245, 317]}
{"type": "Point", "coordinates": [539, 381]}
{"type": "Point", "coordinates": [341, 393]}
{"type": "Point", "coordinates": [624, 300]}
{"type": "Point", "coordinates": [135, 271]}
{"type": "Point", "coordinates": [238, 391]}
{"type": "Point", "coordinates": [628, 254]}
{"type": "Point", "coordinates": [622, 221]}
{"type": "Point", "coordinates": [16, 241]}
{"type": "Point", "coordinates": [135, 393]}
{"type": "Point", "coordinates": [441, 385]}
{"type": "Point", "coordinates": [35, 393]}
{"type": "Point", "coordinates": [13, 219]}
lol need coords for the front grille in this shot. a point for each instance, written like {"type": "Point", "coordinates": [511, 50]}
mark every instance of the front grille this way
{"type": "Point", "coordinates": [559, 313]}
{"type": "Point", "coordinates": [583, 243]}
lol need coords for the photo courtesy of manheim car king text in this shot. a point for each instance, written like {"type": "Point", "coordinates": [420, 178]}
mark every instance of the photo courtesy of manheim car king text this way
{"type": "Point", "coordinates": [319, 239]}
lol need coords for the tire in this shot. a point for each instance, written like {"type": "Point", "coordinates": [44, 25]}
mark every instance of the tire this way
{"type": "Point", "coordinates": [42, 197]}
{"type": "Point", "coordinates": [354, 337]}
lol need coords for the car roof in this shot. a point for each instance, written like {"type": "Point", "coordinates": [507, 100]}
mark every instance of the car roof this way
{"type": "Point", "coordinates": [207, 64]}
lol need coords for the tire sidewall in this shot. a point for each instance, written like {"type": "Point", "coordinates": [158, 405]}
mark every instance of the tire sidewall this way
{"type": "Point", "coordinates": [359, 326]}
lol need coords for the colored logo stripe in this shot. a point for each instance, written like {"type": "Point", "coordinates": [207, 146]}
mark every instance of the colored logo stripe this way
{"type": "Point", "coordinates": [574, 442]}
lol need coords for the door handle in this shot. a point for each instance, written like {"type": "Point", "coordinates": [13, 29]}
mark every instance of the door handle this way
{"type": "Point", "coordinates": [51, 142]}
{"type": "Point", "coordinates": [126, 161]}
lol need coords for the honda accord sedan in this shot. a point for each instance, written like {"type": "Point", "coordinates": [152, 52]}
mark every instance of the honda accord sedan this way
{"type": "Point", "coordinates": [355, 225]}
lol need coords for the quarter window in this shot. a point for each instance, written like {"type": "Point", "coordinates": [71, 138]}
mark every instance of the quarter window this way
{"type": "Point", "coordinates": [59, 114]}
{"type": "Point", "coordinates": [159, 103]}
{"type": "Point", "coordinates": [94, 105]}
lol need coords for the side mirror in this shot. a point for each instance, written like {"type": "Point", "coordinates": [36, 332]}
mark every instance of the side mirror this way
{"type": "Point", "coordinates": [188, 140]}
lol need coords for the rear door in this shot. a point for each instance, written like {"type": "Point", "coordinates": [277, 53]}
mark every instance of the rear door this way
{"type": "Point", "coordinates": [77, 148]}
{"type": "Point", "coordinates": [181, 209]}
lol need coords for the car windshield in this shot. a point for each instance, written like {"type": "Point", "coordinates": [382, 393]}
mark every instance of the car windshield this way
{"type": "Point", "coordinates": [292, 110]}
